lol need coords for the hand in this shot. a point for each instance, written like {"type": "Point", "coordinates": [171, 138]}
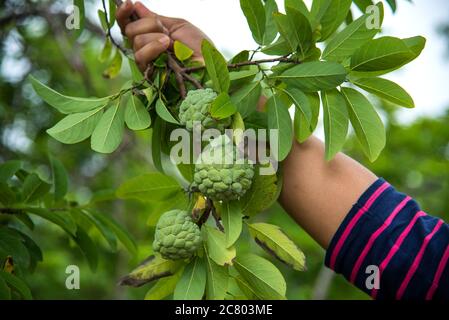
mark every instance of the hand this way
{"type": "Point", "coordinates": [153, 34]}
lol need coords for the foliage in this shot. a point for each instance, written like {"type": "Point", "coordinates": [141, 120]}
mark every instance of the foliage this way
{"type": "Point", "coordinates": [298, 75]}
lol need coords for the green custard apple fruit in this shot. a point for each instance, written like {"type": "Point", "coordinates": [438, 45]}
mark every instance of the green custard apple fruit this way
{"type": "Point", "coordinates": [219, 174]}
{"type": "Point", "coordinates": [196, 108]}
{"type": "Point", "coordinates": [177, 236]}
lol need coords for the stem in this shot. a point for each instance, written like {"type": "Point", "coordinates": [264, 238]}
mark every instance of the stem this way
{"type": "Point", "coordinates": [284, 59]}
{"type": "Point", "coordinates": [108, 32]}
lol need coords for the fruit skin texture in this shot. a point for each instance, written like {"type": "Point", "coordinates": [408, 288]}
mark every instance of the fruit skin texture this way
{"type": "Point", "coordinates": [217, 174]}
{"type": "Point", "coordinates": [177, 236]}
{"type": "Point", "coordinates": [196, 108]}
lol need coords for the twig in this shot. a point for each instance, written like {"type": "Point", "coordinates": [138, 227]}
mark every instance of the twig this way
{"type": "Point", "coordinates": [125, 51]}
{"type": "Point", "coordinates": [284, 59]}
{"type": "Point", "coordinates": [177, 70]}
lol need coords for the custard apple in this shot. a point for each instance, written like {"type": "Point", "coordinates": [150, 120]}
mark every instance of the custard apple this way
{"type": "Point", "coordinates": [220, 174]}
{"type": "Point", "coordinates": [196, 108]}
{"type": "Point", "coordinates": [177, 236]}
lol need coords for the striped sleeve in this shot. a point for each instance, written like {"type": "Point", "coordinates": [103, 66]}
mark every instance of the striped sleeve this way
{"type": "Point", "coordinates": [390, 249]}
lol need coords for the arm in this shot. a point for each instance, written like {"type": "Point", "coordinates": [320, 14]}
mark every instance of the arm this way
{"type": "Point", "coordinates": [319, 194]}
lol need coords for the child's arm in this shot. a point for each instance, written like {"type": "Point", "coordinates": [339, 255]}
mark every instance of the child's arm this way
{"type": "Point", "coordinates": [318, 194]}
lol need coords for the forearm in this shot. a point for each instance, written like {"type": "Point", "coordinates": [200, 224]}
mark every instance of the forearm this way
{"type": "Point", "coordinates": [318, 194]}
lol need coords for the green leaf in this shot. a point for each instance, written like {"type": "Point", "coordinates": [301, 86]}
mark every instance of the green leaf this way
{"type": "Point", "coordinates": [343, 44]}
{"type": "Point", "coordinates": [157, 137]}
{"type": "Point", "coordinates": [11, 244]}
{"type": "Point", "coordinates": [116, 65]}
{"type": "Point", "coordinates": [163, 112]}
{"type": "Point", "coordinates": [17, 284]}
{"type": "Point", "coordinates": [108, 133]}
{"type": "Point", "coordinates": [106, 52]}
{"type": "Point", "coordinates": [381, 54]}
{"type": "Point", "coordinates": [102, 17]}
{"type": "Point", "coordinates": [246, 98]}
{"type": "Point", "coordinates": [266, 280]}
{"type": "Point", "coordinates": [61, 219]}
{"type": "Point", "coordinates": [297, 5]}
{"type": "Point", "coordinates": [270, 26]}
{"type": "Point", "coordinates": [231, 217]}
{"type": "Point", "coordinates": [216, 67]}
{"type": "Point", "coordinates": [314, 76]}
{"type": "Point", "coordinates": [366, 122]}
{"type": "Point", "coordinates": [335, 121]}
{"type": "Point", "coordinates": [216, 279]}
{"type": "Point", "coordinates": [112, 10]}
{"type": "Point", "coordinates": [121, 233]}
{"type": "Point", "coordinates": [392, 4]}
{"type": "Point", "coordinates": [66, 104]}
{"type": "Point", "coordinates": [137, 76]}
{"type": "Point", "coordinates": [387, 90]}
{"type": "Point", "coordinates": [88, 248]}
{"type": "Point", "coordinates": [217, 248]}
{"type": "Point", "coordinates": [136, 115]}
{"type": "Point", "coordinates": [192, 284]}
{"type": "Point", "coordinates": [105, 231]}
{"type": "Point", "coordinates": [82, 17]}
{"type": "Point", "coordinates": [5, 292]}
{"type": "Point", "coordinates": [256, 18]}
{"type": "Point", "coordinates": [76, 127]}
{"type": "Point", "coordinates": [279, 48]}
{"type": "Point", "coordinates": [263, 193]}
{"type": "Point", "coordinates": [152, 268]}
{"type": "Point", "coordinates": [333, 16]}
{"type": "Point", "coordinates": [34, 188]}
{"type": "Point", "coordinates": [295, 29]}
{"type": "Point", "coordinates": [279, 119]}
{"type": "Point", "coordinates": [8, 169]}
{"type": "Point", "coordinates": [222, 107]}
{"type": "Point", "coordinates": [415, 44]}
{"type": "Point", "coordinates": [302, 129]}
{"type": "Point", "coordinates": [60, 178]}
{"type": "Point", "coordinates": [242, 77]}
{"type": "Point", "coordinates": [182, 52]}
{"type": "Point", "coordinates": [247, 290]}
{"type": "Point", "coordinates": [7, 195]}
{"type": "Point", "coordinates": [163, 287]}
{"type": "Point", "coordinates": [33, 249]}
{"type": "Point", "coordinates": [301, 102]}
{"type": "Point", "coordinates": [272, 239]}
{"type": "Point", "coordinates": [149, 187]}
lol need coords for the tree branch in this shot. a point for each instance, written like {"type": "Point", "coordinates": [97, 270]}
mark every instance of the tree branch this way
{"type": "Point", "coordinates": [284, 59]}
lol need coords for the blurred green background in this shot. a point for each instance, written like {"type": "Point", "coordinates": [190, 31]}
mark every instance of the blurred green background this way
{"type": "Point", "coordinates": [33, 39]}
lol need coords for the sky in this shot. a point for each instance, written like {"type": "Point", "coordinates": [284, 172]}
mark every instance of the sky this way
{"type": "Point", "coordinates": [426, 78]}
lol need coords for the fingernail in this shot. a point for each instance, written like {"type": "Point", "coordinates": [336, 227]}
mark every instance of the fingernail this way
{"type": "Point", "coordinates": [164, 40]}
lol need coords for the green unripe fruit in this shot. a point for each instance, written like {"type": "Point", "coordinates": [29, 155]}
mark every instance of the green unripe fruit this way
{"type": "Point", "coordinates": [196, 107]}
{"type": "Point", "coordinates": [177, 236]}
{"type": "Point", "coordinates": [217, 173]}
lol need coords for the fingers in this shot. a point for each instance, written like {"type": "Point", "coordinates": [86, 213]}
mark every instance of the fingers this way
{"type": "Point", "coordinates": [151, 51]}
{"type": "Point", "coordinates": [143, 11]}
{"type": "Point", "coordinates": [141, 26]}
{"type": "Point", "coordinates": [123, 14]}
{"type": "Point", "coordinates": [141, 40]}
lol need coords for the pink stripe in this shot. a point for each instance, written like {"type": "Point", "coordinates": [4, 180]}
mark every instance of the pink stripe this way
{"type": "Point", "coordinates": [374, 236]}
{"type": "Point", "coordinates": [396, 247]}
{"type": "Point", "coordinates": [440, 270]}
{"type": "Point", "coordinates": [353, 222]}
{"type": "Point", "coordinates": [417, 261]}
